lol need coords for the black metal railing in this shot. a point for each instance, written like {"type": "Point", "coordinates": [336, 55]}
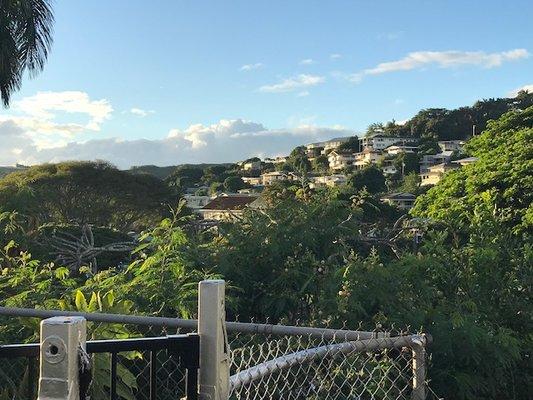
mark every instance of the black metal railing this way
{"type": "Point", "coordinates": [182, 348]}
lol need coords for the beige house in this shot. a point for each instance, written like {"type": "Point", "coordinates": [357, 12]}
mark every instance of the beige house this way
{"type": "Point", "coordinates": [252, 166]}
{"type": "Point", "coordinates": [269, 178]}
{"type": "Point", "coordinates": [328, 181]}
{"type": "Point", "coordinates": [435, 173]}
{"type": "Point", "coordinates": [227, 207]}
{"type": "Point", "coordinates": [404, 201]}
{"type": "Point", "coordinates": [367, 157]}
{"type": "Point", "coordinates": [339, 160]}
{"type": "Point", "coordinates": [253, 181]}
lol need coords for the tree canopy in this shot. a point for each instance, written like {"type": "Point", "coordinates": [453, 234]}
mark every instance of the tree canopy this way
{"type": "Point", "coordinates": [500, 179]}
{"type": "Point", "coordinates": [85, 192]}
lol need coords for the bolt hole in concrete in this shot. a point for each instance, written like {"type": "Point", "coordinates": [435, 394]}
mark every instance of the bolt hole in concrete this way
{"type": "Point", "coordinates": [53, 350]}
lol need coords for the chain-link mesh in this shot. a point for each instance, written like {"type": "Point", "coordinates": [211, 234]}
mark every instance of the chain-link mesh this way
{"type": "Point", "coordinates": [263, 366]}
{"type": "Point", "coordinates": [310, 367]}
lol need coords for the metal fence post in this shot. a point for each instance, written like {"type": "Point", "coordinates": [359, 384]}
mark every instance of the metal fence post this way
{"type": "Point", "coordinates": [61, 340]}
{"type": "Point", "coordinates": [418, 347]}
{"type": "Point", "coordinates": [214, 348]}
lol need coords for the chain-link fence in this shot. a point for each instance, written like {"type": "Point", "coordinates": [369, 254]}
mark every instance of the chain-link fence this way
{"type": "Point", "coordinates": [321, 367]}
{"type": "Point", "coordinates": [266, 361]}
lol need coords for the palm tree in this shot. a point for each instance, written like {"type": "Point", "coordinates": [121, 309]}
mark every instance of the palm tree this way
{"type": "Point", "coordinates": [25, 41]}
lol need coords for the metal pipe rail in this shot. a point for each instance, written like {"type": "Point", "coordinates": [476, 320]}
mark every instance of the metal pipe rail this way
{"type": "Point", "coordinates": [237, 327]}
{"type": "Point", "coordinates": [266, 368]}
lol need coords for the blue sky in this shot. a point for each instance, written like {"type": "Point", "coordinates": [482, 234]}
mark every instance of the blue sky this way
{"type": "Point", "coordinates": [167, 82]}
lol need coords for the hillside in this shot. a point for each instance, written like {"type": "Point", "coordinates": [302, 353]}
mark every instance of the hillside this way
{"type": "Point", "coordinates": [456, 124]}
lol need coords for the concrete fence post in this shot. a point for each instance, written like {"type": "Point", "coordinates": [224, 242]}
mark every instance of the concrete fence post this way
{"type": "Point", "coordinates": [418, 348]}
{"type": "Point", "coordinates": [61, 340]}
{"type": "Point", "coordinates": [214, 348]}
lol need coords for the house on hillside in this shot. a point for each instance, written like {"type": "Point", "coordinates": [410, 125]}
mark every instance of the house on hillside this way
{"type": "Point", "coordinates": [367, 157]}
{"type": "Point", "coordinates": [451, 145]}
{"type": "Point", "coordinates": [328, 181]}
{"type": "Point", "coordinates": [388, 168]}
{"type": "Point", "coordinates": [404, 201]}
{"type": "Point", "coordinates": [269, 178]}
{"type": "Point", "coordinates": [227, 207]}
{"type": "Point", "coordinates": [333, 144]}
{"type": "Point", "coordinates": [435, 172]}
{"type": "Point", "coordinates": [252, 166]}
{"type": "Point", "coordinates": [398, 149]}
{"type": "Point", "coordinates": [381, 141]}
{"type": "Point", "coordinates": [276, 160]}
{"type": "Point", "coordinates": [252, 181]}
{"type": "Point", "coordinates": [339, 160]}
{"type": "Point", "coordinates": [196, 202]}
{"type": "Point", "coordinates": [429, 160]}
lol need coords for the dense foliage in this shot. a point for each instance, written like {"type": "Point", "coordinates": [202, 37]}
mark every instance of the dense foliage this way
{"type": "Point", "coordinates": [330, 256]}
{"type": "Point", "coordinates": [84, 192]}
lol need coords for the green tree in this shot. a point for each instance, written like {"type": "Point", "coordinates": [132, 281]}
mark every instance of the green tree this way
{"type": "Point", "coordinates": [26, 38]}
{"type": "Point", "coordinates": [500, 177]}
{"type": "Point", "coordinates": [351, 145]}
{"type": "Point", "coordinates": [85, 193]}
{"type": "Point", "coordinates": [321, 164]}
{"type": "Point", "coordinates": [406, 163]}
{"type": "Point", "coordinates": [370, 178]}
{"type": "Point", "coordinates": [410, 183]}
{"type": "Point", "coordinates": [233, 184]}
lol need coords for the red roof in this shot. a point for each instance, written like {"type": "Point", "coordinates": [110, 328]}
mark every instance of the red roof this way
{"type": "Point", "coordinates": [229, 203]}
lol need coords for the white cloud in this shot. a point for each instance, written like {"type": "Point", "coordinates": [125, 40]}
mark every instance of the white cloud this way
{"type": "Point", "coordinates": [41, 118]}
{"type": "Point", "coordinates": [443, 59]}
{"type": "Point", "coordinates": [513, 93]}
{"type": "Point", "coordinates": [140, 112]}
{"type": "Point", "coordinates": [335, 56]}
{"type": "Point", "coordinates": [307, 61]}
{"type": "Point", "coordinates": [42, 105]}
{"type": "Point", "coordinates": [249, 67]}
{"type": "Point", "coordinates": [224, 141]}
{"type": "Point", "coordinates": [298, 82]}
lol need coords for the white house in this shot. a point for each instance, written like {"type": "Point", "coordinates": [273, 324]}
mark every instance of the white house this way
{"type": "Point", "coordinates": [328, 180]}
{"type": "Point", "coordinates": [253, 181]}
{"type": "Point", "coordinates": [434, 159]}
{"type": "Point", "coordinates": [380, 141]}
{"type": "Point", "coordinates": [338, 160]}
{"type": "Point", "coordinates": [196, 202]}
{"type": "Point", "coordinates": [388, 168]}
{"type": "Point", "coordinates": [397, 149]}
{"type": "Point", "coordinates": [227, 208]}
{"type": "Point", "coordinates": [451, 145]}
